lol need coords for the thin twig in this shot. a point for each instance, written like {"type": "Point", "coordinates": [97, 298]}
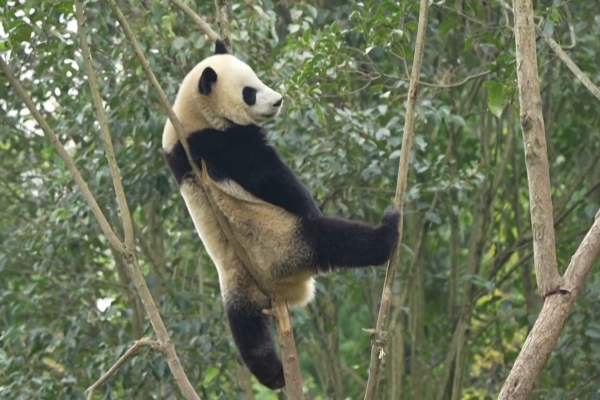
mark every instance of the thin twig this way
{"type": "Point", "coordinates": [583, 78]}
{"type": "Point", "coordinates": [196, 18]}
{"type": "Point", "coordinates": [378, 337]}
{"type": "Point", "coordinates": [560, 52]}
{"type": "Point", "coordinates": [137, 346]}
{"type": "Point", "coordinates": [101, 114]}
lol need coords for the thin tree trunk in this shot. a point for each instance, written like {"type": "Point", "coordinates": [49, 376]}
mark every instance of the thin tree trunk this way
{"type": "Point", "coordinates": [559, 293]}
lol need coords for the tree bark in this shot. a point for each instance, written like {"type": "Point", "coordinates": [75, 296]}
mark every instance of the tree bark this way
{"type": "Point", "coordinates": [559, 293]}
{"type": "Point", "coordinates": [536, 156]}
{"type": "Point", "coordinates": [545, 333]}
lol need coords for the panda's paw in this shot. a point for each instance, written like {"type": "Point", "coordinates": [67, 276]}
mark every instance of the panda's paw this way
{"type": "Point", "coordinates": [278, 382]}
{"type": "Point", "coordinates": [389, 232]}
{"type": "Point", "coordinates": [391, 217]}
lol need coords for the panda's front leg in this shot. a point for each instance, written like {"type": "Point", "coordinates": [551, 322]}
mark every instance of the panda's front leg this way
{"type": "Point", "coordinates": [338, 243]}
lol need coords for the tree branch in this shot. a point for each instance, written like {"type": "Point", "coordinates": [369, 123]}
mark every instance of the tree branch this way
{"type": "Point", "coordinates": [223, 21]}
{"type": "Point", "coordinates": [108, 147]}
{"type": "Point", "coordinates": [536, 157]}
{"type": "Point", "coordinates": [137, 346]}
{"type": "Point", "coordinates": [547, 329]}
{"type": "Point", "coordinates": [378, 336]}
{"type": "Point", "coordinates": [594, 90]}
{"type": "Point", "coordinates": [197, 20]}
{"type": "Point", "coordinates": [289, 355]}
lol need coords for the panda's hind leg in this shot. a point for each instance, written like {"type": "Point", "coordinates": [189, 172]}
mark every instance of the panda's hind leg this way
{"type": "Point", "coordinates": [340, 242]}
{"type": "Point", "coordinates": [251, 331]}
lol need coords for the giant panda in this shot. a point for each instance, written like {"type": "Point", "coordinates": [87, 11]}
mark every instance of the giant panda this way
{"type": "Point", "coordinates": [221, 104]}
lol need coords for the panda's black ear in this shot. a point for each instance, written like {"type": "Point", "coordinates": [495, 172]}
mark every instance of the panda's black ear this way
{"type": "Point", "coordinates": [220, 47]}
{"type": "Point", "coordinates": [208, 77]}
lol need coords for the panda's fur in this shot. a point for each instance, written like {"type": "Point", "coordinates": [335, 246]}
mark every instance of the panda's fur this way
{"type": "Point", "coordinates": [220, 104]}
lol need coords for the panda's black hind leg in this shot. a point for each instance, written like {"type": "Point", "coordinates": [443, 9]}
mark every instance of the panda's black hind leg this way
{"type": "Point", "coordinates": [251, 331]}
{"type": "Point", "coordinates": [340, 242]}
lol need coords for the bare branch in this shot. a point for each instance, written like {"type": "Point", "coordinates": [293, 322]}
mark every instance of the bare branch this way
{"type": "Point", "coordinates": [379, 336]}
{"type": "Point", "coordinates": [560, 51]}
{"type": "Point", "coordinates": [110, 153]}
{"type": "Point", "coordinates": [137, 346]}
{"type": "Point", "coordinates": [197, 20]}
{"type": "Point", "coordinates": [536, 157]}
{"type": "Point", "coordinates": [223, 21]}
{"type": "Point", "coordinates": [289, 356]}
{"type": "Point", "coordinates": [594, 90]}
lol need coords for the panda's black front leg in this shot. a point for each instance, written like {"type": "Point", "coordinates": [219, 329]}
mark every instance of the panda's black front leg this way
{"type": "Point", "coordinates": [340, 242]}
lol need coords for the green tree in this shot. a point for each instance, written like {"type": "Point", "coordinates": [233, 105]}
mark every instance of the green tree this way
{"type": "Point", "coordinates": [465, 297]}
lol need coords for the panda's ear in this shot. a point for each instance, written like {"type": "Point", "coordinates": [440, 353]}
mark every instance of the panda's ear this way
{"type": "Point", "coordinates": [220, 47]}
{"type": "Point", "coordinates": [208, 77]}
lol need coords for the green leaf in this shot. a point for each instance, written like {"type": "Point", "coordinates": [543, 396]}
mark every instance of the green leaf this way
{"type": "Point", "coordinates": [22, 33]}
{"type": "Point", "coordinates": [320, 114]}
{"type": "Point", "coordinates": [468, 43]}
{"type": "Point", "coordinates": [446, 25]}
{"type": "Point", "coordinates": [496, 97]}
{"type": "Point", "coordinates": [306, 37]}
{"type": "Point", "coordinates": [210, 374]}
{"type": "Point", "coordinates": [178, 43]}
{"type": "Point", "coordinates": [64, 7]}
{"type": "Point", "coordinates": [593, 333]}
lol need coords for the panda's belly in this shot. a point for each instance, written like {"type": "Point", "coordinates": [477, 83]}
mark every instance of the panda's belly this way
{"type": "Point", "coordinates": [267, 233]}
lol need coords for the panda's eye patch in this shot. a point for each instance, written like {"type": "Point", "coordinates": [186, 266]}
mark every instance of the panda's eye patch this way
{"type": "Point", "coordinates": [249, 95]}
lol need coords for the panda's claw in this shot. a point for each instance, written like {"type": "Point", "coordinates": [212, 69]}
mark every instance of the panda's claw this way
{"type": "Point", "coordinates": [204, 176]}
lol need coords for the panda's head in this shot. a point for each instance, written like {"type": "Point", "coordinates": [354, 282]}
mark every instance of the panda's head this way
{"type": "Point", "coordinates": [222, 91]}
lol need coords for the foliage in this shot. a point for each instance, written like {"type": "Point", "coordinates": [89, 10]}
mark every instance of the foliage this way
{"type": "Point", "coordinates": [67, 305]}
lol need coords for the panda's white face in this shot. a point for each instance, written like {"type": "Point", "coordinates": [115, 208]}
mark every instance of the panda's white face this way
{"type": "Point", "coordinates": [222, 90]}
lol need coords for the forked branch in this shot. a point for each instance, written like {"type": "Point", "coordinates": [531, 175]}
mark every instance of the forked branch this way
{"type": "Point", "coordinates": [559, 293]}
{"type": "Point", "coordinates": [137, 346]}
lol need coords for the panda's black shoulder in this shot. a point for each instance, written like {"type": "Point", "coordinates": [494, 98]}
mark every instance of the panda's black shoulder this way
{"type": "Point", "coordinates": [245, 155]}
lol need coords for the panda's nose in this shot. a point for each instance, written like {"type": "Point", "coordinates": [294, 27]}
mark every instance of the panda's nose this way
{"type": "Point", "coordinates": [278, 102]}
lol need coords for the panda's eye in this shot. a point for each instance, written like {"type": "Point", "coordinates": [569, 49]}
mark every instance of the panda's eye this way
{"type": "Point", "coordinates": [249, 95]}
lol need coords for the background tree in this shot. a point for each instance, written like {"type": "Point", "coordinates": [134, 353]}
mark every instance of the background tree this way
{"type": "Point", "coordinates": [465, 296]}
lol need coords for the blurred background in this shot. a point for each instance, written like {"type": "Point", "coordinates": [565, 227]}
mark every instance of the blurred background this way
{"type": "Point", "coordinates": [465, 296]}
